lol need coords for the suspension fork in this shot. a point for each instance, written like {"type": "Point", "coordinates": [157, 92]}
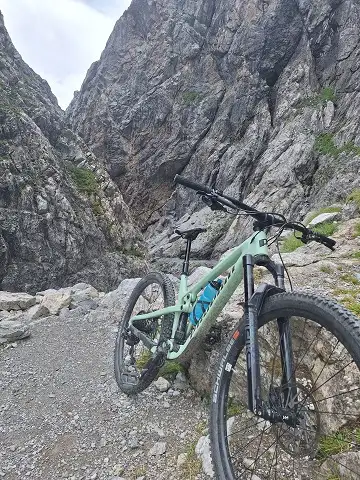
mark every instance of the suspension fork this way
{"type": "Point", "coordinates": [288, 382]}
{"type": "Point", "coordinates": [253, 305]}
{"type": "Point", "coordinates": [251, 339]}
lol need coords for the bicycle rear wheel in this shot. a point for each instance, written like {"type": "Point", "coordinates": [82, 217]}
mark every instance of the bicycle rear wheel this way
{"type": "Point", "coordinates": [325, 445]}
{"type": "Point", "coordinates": [134, 365]}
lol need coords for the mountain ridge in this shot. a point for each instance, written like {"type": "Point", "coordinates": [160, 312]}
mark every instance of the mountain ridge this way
{"type": "Point", "coordinates": [61, 217]}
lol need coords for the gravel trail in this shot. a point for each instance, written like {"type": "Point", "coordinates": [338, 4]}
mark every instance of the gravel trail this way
{"type": "Point", "coordinates": [62, 415]}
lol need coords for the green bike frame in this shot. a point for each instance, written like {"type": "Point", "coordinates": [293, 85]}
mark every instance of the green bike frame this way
{"type": "Point", "coordinates": [256, 246]}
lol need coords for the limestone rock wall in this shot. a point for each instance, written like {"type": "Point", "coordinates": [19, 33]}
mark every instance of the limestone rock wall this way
{"type": "Point", "coordinates": [62, 219]}
{"type": "Point", "coordinates": [258, 97]}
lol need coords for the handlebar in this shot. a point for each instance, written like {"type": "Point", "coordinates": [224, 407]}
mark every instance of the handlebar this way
{"type": "Point", "coordinates": [266, 219]}
{"type": "Point", "coordinates": [230, 202]}
{"type": "Point", "coordinates": [309, 235]}
{"type": "Point", "coordinates": [193, 185]}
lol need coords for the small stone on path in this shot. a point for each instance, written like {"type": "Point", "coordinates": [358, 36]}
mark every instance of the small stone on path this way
{"type": "Point", "coordinates": [162, 384]}
{"type": "Point", "coordinates": [158, 449]}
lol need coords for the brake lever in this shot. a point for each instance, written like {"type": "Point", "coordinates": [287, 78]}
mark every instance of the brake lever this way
{"type": "Point", "coordinates": [315, 238]}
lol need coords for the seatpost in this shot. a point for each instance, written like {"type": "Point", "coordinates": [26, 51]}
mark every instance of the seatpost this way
{"type": "Point", "coordinates": [180, 333]}
{"type": "Point", "coordinates": [186, 263]}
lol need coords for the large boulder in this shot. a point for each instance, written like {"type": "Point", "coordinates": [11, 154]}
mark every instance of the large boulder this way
{"type": "Point", "coordinates": [16, 301]}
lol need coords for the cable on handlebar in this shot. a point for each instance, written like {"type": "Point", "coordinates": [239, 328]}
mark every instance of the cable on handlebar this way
{"type": "Point", "coordinates": [216, 199]}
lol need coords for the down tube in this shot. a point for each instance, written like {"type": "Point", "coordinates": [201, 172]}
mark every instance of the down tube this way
{"type": "Point", "coordinates": [228, 287]}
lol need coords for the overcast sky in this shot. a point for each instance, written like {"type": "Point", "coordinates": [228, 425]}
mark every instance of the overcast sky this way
{"type": "Point", "coordinates": [60, 39]}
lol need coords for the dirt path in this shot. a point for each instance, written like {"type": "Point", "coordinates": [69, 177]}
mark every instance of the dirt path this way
{"type": "Point", "coordinates": [62, 415]}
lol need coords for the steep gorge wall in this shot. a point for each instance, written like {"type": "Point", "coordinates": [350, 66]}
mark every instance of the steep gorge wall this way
{"type": "Point", "coordinates": [261, 97]}
{"type": "Point", "coordinates": [62, 219]}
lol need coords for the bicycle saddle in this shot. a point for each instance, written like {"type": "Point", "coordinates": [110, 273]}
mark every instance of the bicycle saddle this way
{"type": "Point", "coordinates": [191, 233]}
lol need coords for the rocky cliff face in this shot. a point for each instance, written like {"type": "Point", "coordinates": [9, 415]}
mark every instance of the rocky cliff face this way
{"type": "Point", "coordinates": [259, 97]}
{"type": "Point", "coordinates": [61, 217]}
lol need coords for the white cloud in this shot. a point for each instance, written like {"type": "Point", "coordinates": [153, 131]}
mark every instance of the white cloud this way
{"type": "Point", "coordinates": [60, 39]}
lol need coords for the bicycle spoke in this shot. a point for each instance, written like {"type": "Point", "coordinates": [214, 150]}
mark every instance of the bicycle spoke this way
{"type": "Point", "coordinates": [250, 423]}
{"type": "Point", "coordinates": [330, 378]}
{"type": "Point", "coordinates": [257, 436]}
{"type": "Point", "coordinates": [338, 395]}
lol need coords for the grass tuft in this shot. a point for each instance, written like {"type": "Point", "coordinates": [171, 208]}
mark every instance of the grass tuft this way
{"type": "Point", "coordinates": [327, 94]}
{"type": "Point", "coordinates": [97, 208]}
{"type": "Point", "coordinates": [349, 296]}
{"type": "Point", "coordinates": [326, 269]}
{"type": "Point", "coordinates": [234, 408]}
{"type": "Point", "coordinates": [337, 442]}
{"type": "Point", "coordinates": [349, 278]}
{"type": "Point", "coordinates": [354, 196]}
{"type": "Point", "coordinates": [290, 244]}
{"type": "Point", "coordinates": [84, 179]}
{"type": "Point", "coordinates": [356, 232]}
{"type": "Point", "coordinates": [324, 143]}
{"type": "Point", "coordinates": [170, 369]}
{"type": "Point", "coordinates": [142, 360]}
{"type": "Point", "coordinates": [192, 466]}
{"type": "Point", "coordinates": [326, 228]}
{"type": "Point", "coordinates": [190, 97]}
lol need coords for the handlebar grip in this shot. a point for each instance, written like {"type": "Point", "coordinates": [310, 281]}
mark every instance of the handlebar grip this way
{"type": "Point", "coordinates": [190, 184]}
{"type": "Point", "coordinates": [328, 242]}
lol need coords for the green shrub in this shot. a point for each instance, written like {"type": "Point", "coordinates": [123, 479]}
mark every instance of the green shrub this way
{"type": "Point", "coordinates": [190, 97]}
{"type": "Point", "coordinates": [290, 244]}
{"type": "Point", "coordinates": [354, 196]}
{"type": "Point", "coordinates": [356, 230]}
{"type": "Point", "coordinates": [324, 143]}
{"type": "Point", "coordinates": [170, 369]}
{"type": "Point", "coordinates": [319, 100]}
{"type": "Point", "coordinates": [84, 179]}
{"type": "Point", "coordinates": [327, 94]}
{"type": "Point", "coordinates": [326, 228]}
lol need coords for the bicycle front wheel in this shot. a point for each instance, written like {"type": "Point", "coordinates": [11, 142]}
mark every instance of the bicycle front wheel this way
{"type": "Point", "coordinates": [325, 444]}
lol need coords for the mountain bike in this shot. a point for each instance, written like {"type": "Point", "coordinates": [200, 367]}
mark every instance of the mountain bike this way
{"type": "Point", "coordinates": [285, 401]}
